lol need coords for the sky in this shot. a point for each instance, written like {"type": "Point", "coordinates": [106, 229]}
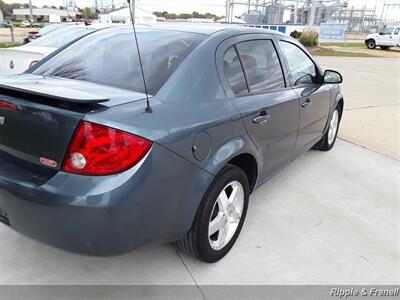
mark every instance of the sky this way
{"type": "Point", "coordinates": [213, 6]}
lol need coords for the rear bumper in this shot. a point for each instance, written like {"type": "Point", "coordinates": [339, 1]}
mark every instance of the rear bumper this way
{"type": "Point", "coordinates": [107, 215]}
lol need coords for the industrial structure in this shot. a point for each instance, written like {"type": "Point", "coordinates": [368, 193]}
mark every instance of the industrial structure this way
{"type": "Point", "coordinates": [314, 12]}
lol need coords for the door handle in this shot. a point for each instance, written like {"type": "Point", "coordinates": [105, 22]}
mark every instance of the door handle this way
{"type": "Point", "coordinates": [262, 118]}
{"type": "Point", "coordinates": [306, 103]}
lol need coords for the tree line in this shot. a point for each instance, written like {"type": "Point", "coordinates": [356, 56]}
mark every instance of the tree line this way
{"type": "Point", "coordinates": [7, 10]}
{"type": "Point", "coordinates": [194, 14]}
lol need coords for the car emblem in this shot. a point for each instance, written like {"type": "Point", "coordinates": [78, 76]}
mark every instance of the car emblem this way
{"type": "Point", "coordinates": [2, 119]}
{"type": "Point", "coordinates": [12, 64]}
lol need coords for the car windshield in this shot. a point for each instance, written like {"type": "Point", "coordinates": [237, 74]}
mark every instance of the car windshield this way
{"type": "Point", "coordinates": [109, 57]}
{"type": "Point", "coordinates": [61, 37]}
{"type": "Point", "coordinates": [387, 31]}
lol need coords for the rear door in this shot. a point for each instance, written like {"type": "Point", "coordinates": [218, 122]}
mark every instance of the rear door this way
{"type": "Point", "coordinates": [254, 79]}
{"type": "Point", "coordinates": [315, 97]}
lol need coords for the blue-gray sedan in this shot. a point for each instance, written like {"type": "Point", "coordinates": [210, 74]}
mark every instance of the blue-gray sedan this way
{"type": "Point", "coordinates": [87, 165]}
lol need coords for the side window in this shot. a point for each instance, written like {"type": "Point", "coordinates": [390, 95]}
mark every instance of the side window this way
{"type": "Point", "coordinates": [261, 64]}
{"type": "Point", "coordinates": [234, 72]}
{"type": "Point", "coordinates": [301, 67]}
{"type": "Point", "coordinates": [396, 32]}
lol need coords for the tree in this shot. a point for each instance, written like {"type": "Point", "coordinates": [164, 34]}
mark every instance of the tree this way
{"type": "Point", "coordinates": [87, 11]}
{"type": "Point", "coordinates": [7, 9]}
{"type": "Point", "coordinates": [194, 14]}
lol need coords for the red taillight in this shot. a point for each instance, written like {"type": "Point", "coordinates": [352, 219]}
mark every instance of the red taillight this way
{"type": "Point", "coordinates": [6, 105]}
{"type": "Point", "coordinates": [34, 62]}
{"type": "Point", "coordinates": [100, 150]}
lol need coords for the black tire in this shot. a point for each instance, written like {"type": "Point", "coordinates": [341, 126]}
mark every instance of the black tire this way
{"type": "Point", "coordinates": [196, 242]}
{"type": "Point", "coordinates": [384, 47]}
{"type": "Point", "coordinates": [371, 44]}
{"type": "Point", "coordinates": [324, 144]}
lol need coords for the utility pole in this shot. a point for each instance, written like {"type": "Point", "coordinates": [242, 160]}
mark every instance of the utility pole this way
{"type": "Point", "coordinates": [30, 12]}
{"type": "Point", "coordinates": [226, 10]}
{"type": "Point", "coordinates": [383, 9]}
{"type": "Point", "coordinates": [312, 14]}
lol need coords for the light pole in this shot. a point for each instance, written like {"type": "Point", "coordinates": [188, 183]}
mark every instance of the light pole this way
{"type": "Point", "coordinates": [383, 9]}
{"type": "Point", "coordinates": [30, 12]}
{"type": "Point", "coordinates": [312, 14]}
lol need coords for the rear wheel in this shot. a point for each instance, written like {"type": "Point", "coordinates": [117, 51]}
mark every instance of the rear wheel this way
{"type": "Point", "coordinates": [371, 44]}
{"type": "Point", "coordinates": [219, 218]}
{"type": "Point", "coordinates": [329, 138]}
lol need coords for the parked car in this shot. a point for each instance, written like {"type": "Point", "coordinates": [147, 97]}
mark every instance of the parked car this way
{"type": "Point", "coordinates": [25, 23]}
{"type": "Point", "coordinates": [19, 59]}
{"type": "Point", "coordinates": [33, 35]}
{"type": "Point", "coordinates": [389, 37]}
{"type": "Point", "coordinates": [89, 165]}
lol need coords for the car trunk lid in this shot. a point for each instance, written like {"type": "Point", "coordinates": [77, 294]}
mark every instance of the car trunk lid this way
{"type": "Point", "coordinates": [19, 59]}
{"type": "Point", "coordinates": [39, 115]}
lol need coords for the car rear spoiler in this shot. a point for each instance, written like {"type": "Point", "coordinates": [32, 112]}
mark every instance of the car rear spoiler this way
{"type": "Point", "coordinates": [51, 88]}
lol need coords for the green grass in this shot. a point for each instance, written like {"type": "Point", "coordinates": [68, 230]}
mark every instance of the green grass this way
{"type": "Point", "coordinates": [9, 45]}
{"type": "Point", "coordinates": [348, 45]}
{"type": "Point", "coordinates": [341, 53]}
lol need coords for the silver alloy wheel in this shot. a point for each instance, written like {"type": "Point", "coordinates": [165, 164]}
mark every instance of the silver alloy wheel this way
{"type": "Point", "coordinates": [225, 215]}
{"type": "Point", "coordinates": [333, 126]}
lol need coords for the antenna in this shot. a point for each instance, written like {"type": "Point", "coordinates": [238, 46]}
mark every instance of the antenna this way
{"type": "Point", "coordinates": [148, 108]}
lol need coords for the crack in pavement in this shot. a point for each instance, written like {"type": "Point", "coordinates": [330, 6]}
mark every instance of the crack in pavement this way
{"type": "Point", "coordinates": [371, 106]}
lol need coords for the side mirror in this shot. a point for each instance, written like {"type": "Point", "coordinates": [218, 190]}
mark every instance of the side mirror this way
{"type": "Point", "coordinates": [331, 77]}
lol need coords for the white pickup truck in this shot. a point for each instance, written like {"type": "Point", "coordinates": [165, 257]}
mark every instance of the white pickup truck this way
{"type": "Point", "coordinates": [389, 37]}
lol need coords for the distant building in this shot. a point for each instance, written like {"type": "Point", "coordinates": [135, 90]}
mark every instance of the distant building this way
{"type": "Point", "coordinates": [43, 14]}
{"type": "Point", "coordinates": [123, 15]}
{"type": "Point", "coordinates": [233, 21]}
{"type": "Point", "coordinates": [200, 20]}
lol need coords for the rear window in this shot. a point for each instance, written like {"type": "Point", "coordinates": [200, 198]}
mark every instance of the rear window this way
{"type": "Point", "coordinates": [109, 57]}
{"type": "Point", "coordinates": [60, 37]}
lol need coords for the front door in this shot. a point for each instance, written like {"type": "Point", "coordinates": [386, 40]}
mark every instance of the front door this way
{"type": "Point", "coordinates": [396, 37]}
{"type": "Point", "coordinates": [387, 37]}
{"type": "Point", "coordinates": [315, 97]}
{"type": "Point", "coordinates": [269, 108]}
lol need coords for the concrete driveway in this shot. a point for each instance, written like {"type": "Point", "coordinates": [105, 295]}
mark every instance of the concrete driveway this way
{"type": "Point", "coordinates": [372, 101]}
{"type": "Point", "coordinates": [328, 218]}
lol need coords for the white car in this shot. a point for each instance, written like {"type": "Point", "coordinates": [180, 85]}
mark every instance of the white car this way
{"type": "Point", "coordinates": [25, 23]}
{"type": "Point", "coordinates": [389, 37]}
{"type": "Point", "coordinates": [16, 60]}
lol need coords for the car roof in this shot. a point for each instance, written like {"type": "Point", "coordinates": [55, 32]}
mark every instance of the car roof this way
{"type": "Point", "coordinates": [207, 29]}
